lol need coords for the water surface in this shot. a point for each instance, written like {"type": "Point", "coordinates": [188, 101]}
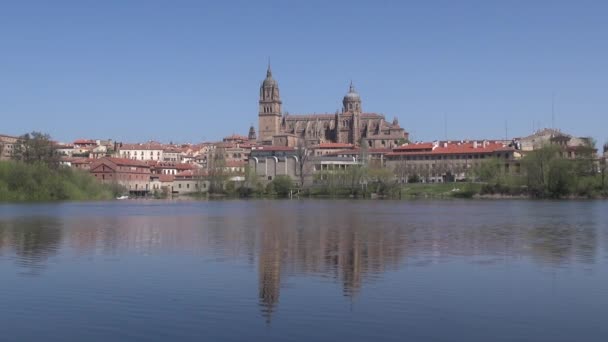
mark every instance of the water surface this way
{"type": "Point", "coordinates": [304, 271]}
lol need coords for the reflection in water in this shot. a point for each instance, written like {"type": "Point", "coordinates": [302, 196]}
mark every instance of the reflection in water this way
{"type": "Point", "coordinates": [33, 240]}
{"type": "Point", "coordinates": [350, 243]}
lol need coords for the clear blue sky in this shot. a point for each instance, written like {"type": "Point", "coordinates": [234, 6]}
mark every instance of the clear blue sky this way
{"type": "Point", "coordinates": [185, 71]}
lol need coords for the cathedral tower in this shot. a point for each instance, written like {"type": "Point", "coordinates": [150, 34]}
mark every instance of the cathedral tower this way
{"type": "Point", "coordinates": [352, 107]}
{"type": "Point", "coordinates": [270, 108]}
{"type": "Point", "coordinates": [352, 101]}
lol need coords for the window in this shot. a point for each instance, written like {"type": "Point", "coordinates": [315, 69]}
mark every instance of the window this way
{"type": "Point", "coordinates": [179, 186]}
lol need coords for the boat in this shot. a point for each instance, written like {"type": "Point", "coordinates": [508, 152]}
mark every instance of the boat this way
{"type": "Point", "coordinates": [122, 197]}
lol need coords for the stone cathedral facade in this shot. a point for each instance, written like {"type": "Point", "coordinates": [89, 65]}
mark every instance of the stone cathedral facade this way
{"type": "Point", "coordinates": [350, 126]}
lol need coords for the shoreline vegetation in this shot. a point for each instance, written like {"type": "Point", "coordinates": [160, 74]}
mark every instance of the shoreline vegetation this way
{"type": "Point", "coordinates": [20, 182]}
{"type": "Point", "coordinates": [545, 173]}
{"type": "Point", "coordinates": [35, 174]}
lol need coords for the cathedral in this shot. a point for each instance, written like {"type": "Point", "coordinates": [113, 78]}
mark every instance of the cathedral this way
{"type": "Point", "coordinates": [350, 126]}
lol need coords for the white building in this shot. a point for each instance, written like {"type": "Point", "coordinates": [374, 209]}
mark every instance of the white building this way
{"type": "Point", "coordinates": [143, 152]}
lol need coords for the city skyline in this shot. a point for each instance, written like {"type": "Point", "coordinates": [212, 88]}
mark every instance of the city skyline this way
{"type": "Point", "coordinates": [191, 72]}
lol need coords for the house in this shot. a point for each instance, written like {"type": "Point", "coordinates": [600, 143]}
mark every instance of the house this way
{"type": "Point", "coordinates": [7, 146]}
{"type": "Point", "coordinates": [134, 175]}
{"type": "Point", "coordinates": [189, 181]}
{"type": "Point", "coordinates": [81, 163]}
{"type": "Point", "coordinates": [148, 151]}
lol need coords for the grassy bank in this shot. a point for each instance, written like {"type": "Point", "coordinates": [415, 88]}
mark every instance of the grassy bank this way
{"type": "Point", "coordinates": [20, 182]}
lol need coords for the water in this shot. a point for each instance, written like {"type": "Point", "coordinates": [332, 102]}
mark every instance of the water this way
{"type": "Point", "coordinates": [304, 271]}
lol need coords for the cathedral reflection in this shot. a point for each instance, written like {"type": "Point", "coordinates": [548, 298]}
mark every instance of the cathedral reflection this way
{"type": "Point", "coordinates": [350, 244]}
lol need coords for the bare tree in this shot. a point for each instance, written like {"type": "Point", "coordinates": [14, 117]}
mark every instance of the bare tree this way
{"type": "Point", "coordinates": [303, 154]}
{"type": "Point", "coordinates": [216, 171]}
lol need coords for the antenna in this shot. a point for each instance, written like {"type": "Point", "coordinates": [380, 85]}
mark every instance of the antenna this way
{"type": "Point", "coordinates": [506, 130]}
{"type": "Point", "coordinates": [553, 110]}
{"type": "Point", "coordinates": [445, 126]}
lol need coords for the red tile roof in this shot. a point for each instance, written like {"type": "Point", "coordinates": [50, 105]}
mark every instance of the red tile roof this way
{"type": "Point", "coordinates": [124, 161]}
{"type": "Point", "coordinates": [166, 178]}
{"type": "Point", "coordinates": [82, 161]}
{"type": "Point", "coordinates": [414, 147]}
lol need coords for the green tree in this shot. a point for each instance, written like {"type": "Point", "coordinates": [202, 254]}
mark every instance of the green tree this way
{"type": "Point", "coordinates": [282, 185]}
{"type": "Point", "coordinates": [537, 166]}
{"type": "Point", "coordinates": [36, 147]}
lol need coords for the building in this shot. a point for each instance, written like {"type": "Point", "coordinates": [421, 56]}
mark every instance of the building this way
{"type": "Point", "coordinates": [268, 162]}
{"type": "Point", "coordinates": [189, 181]}
{"type": "Point", "coordinates": [7, 146]}
{"type": "Point", "coordinates": [330, 148]}
{"type": "Point", "coordinates": [84, 143]}
{"type": "Point", "coordinates": [438, 162]}
{"type": "Point", "coordinates": [134, 175]}
{"type": "Point", "coordinates": [350, 126]}
{"type": "Point", "coordinates": [550, 136]}
{"type": "Point", "coordinates": [172, 154]}
{"type": "Point", "coordinates": [147, 151]}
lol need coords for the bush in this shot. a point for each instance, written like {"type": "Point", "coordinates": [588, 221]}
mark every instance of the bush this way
{"type": "Point", "coordinates": [282, 185]}
{"type": "Point", "coordinates": [38, 182]}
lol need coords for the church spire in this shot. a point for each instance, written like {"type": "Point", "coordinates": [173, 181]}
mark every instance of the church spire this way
{"type": "Point", "coordinates": [268, 71]}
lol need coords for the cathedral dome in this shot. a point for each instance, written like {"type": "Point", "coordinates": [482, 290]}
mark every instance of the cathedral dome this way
{"type": "Point", "coordinates": [352, 94]}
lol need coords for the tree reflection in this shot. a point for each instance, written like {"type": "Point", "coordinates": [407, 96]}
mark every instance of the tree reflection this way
{"type": "Point", "coordinates": [33, 240]}
{"type": "Point", "coordinates": [350, 244]}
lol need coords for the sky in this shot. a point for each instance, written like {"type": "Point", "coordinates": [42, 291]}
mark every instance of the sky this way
{"type": "Point", "coordinates": [190, 71]}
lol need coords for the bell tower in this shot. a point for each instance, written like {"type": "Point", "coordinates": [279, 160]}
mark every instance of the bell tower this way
{"type": "Point", "coordinates": [269, 115]}
{"type": "Point", "coordinates": [352, 109]}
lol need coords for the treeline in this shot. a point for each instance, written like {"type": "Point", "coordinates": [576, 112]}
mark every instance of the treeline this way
{"type": "Point", "coordinates": [548, 173]}
{"type": "Point", "coordinates": [35, 174]}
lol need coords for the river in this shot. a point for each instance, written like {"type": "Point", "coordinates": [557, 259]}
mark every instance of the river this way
{"type": "Point", "coordinates": [305, 270]}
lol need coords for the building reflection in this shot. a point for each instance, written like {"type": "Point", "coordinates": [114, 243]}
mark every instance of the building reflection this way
{"type": "Point", "coordinates": [349, 245]}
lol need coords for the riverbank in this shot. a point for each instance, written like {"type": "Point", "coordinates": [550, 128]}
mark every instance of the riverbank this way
{"type": "Point", "coordinates": [403, 192]}
{"type": "Point", "coordinates": [21, 182]}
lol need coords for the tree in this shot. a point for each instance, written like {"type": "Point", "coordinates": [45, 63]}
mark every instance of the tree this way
{"type": "Point", "coordinates": [384, 180]}
{"type": "Point", "coordinates": [303, 154]}
{"type": "Point", "coordinates": [252, 183]}
{"type": "Point", "coordinates": [490, 171]}
{"type": "Point", "coordinates": [603, 167]}
{"type": "Point", "coordinates": [36, 147]}
{"type": "Point", "coordinates": [216, 172]}
{"type": "Point", "coordinates": [537, 165]}
{"type": "Point", "coordinates": [282, 185]}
